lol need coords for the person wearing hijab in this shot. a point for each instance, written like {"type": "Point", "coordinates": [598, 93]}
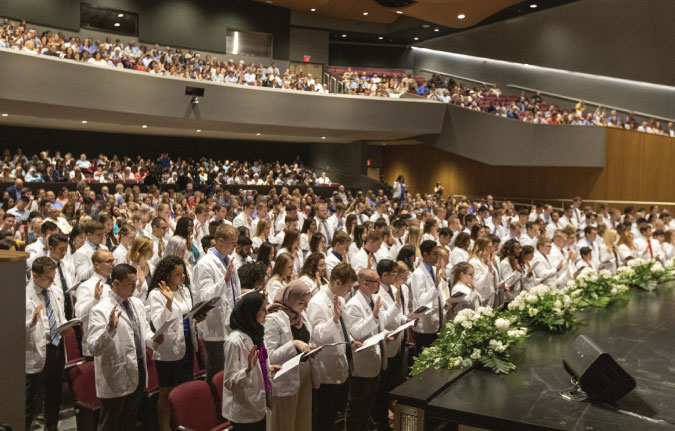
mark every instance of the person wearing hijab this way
{"type": "Point", "coordinates": [247, 373]}
{"type": "Point", "coordinates": [287, 334]}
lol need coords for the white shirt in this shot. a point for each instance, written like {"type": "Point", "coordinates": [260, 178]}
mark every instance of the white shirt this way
{"type": "Point", "coordinates": [173, 347]}
{"type": "Point", "coordinates": [362, 324]}
{"type": "Point", "coordinates": [84, 267]}
{"type": "Point", "coordinates": [85, 301]}
{"type": "Point", "coordinates": [425, 292]}
{"type": "Point", "coordinates": [483, 281]}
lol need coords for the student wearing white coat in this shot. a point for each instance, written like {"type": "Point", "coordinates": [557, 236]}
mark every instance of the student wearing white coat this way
{"type": "Point", "coordinates": [426, 287]}
{"type": "Point", "coordinates": [365, 257]}
{"type": "Point", "coordinates": [362, 318]}
{"type": "Point", "coordinates": [391, 318]}
{"type": "Point", "coordinates": [543, 269]}
{"type": "Point", "coordinates": [92, 291]}
{"type": "Point", "coordinates": [118, 336]}
{"type": "Point", "coordinates": [58, 248]}
{"type": "Point", "coordinates": [287, 334]}
{"type": "Point", "coordinates": [338, 253]}
{"type": "Point", "coordinates": [215, 277]}
{"type": "Point", "coordinates": [325, 315]}
{"type": "Point", "coordinates": [463, 295]}
{"type": "Point", "coordinates": [82, 257]}
{"type": "Point", "coordinates": [44, 343]}
{"type": "Point", "coordinates": [510, 269]}
{"type": "Point", "coordinates": [170, 300]}
{"type": "Point", "coordinates": [247, 377]}
{"type": "Point", "coordinates": [482, 258]}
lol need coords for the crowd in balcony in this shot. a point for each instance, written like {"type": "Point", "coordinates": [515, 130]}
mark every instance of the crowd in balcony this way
{"type": "Point", "coordinates": [55, 168]}
{"type": "Point", "coordinates": [154, 59]}
{"type": "Point", "coordinates": [490, 99]}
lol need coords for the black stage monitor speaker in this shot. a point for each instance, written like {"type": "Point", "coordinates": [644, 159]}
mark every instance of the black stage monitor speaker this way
{"type": "Point", "coordinates": [596, 371]}
{"type": "Point", "coordinates": [194, 91]}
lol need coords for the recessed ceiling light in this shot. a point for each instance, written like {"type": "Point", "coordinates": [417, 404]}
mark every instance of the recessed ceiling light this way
{"type": "Point", "coordinates": [400, 12]}
{"type": "Point", "coordinates": [365, 13]}
{"type": "Point", "coordinates": [461, 16]}
{"type": "Point", "coordinates": [323, 137]}
{"type": "Point", "coordinates": [269, 2]}
{"type": "Point", "coordinates": [417, 38]}
{"type": "Point", "coordinates": [533, 6]}
{"type": "Point", "coordinates": [425, 25]}
{"type": "Point", "coordinates": [312, 10]}
{"type": "Point", "coordinates": [117, 24]}
{"type": "Point", "coordinates": [380, 37]}
{"type": "Point", "coordinates": [198, 130]}
{"type": "Point", "coordinates": [120, 15]}
{"type": "Point", "coordinates": [436, 29]}
{"type": "Point", "coordinates": [5, 115]}
{"type": "Point", "coordinates": [257, 134]}
{"type": "Point", "coordinates": [84, 121]}
{"type": "Point", "coordinates": [145, 126]}
{"type": "Point", "coordinates": [344, 35]}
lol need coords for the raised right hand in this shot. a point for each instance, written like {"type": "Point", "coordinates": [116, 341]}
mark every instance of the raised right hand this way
{"type": "Point", "coordinates": [98, 290]}
{"type": "Point", "coordinates": [376, 308]}
{"type": "Point", "coordinates": [337, 309]}
{"type": "Point", "coordinates": [252, 359]}
{"type": "Point", "coordinates": [36, 313]}
{"type": "Point", "coordinates": [114, 318]}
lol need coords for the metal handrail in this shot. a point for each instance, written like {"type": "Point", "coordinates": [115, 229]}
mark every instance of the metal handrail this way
{"type": "Point", "coordinates": [533, 201]}
{"type": "Point", "coordinates": [588, 102]}
{"type": "Point", "coordinates": [461, 78]}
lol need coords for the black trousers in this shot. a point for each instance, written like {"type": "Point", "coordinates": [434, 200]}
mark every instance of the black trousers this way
{"type": "Point", "coordinates": [47, 386]}
{"type": "Point", "coordinates": [327, 401]}
{"type": "Point", "coordinates": [362, 393]}
{"type": "Point", "coordinates": [119, 414]}
{"type": "Point", "coordinates": [254, 426]}
{"type": "Point", "coordinates": [423, 340]}
{"type": "Point", "coordinates": [390, 379]}
{"type": "Point", "coordinates": [214, 354]}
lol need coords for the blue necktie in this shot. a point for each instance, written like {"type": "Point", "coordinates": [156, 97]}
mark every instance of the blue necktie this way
{"type": "Point", "coordinates": [232, 282]}
{"type": "Point", "coordinates": [54, 334]}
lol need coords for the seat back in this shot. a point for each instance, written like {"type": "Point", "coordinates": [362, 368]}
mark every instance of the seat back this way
{"type": "Point", "coordinates": [153, 379]}
{"type": "Point", "coordinates": [73, 354]}
{"type": "Point", "coordinates": [217, 381]}
{"type": "Point", "coordinates": [192, 406]}
{"type": "Point", "coordinates": [83, 385]}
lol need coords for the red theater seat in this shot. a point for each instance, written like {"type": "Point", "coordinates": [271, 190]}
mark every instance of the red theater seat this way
{"type": "Point", "coordinates": [193, 407]}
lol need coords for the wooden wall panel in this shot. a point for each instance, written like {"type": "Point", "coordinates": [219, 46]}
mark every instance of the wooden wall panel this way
{"type": "Point", "coordinates": [639, 168]}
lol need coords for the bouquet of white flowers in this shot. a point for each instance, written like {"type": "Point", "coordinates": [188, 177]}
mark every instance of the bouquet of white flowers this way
{"type": "Point", "coordinates": [475, 336]}
{"type": "Point", "coordinates": [639, 273]}
{"type": "Point", "coordinates": [598, 289]}
{"type": "Point", "coordinates": [545, 307]}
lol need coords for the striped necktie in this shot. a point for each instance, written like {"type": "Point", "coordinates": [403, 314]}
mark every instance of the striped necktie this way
{"type": "Point", "coordinates": [54, 334]}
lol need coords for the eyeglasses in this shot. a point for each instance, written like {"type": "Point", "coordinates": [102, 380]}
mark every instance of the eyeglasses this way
{"type": "Point", "coordinates": [109, 261]}
{"type": "Point", "coordinates": [372, 281]}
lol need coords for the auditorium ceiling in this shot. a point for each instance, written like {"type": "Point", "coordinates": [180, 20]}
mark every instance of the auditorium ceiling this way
{"type": "Point", "coordinates": [417, 21]}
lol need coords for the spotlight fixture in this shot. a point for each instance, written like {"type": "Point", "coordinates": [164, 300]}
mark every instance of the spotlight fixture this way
{"type": "Point", "coordinates": [323, 137]}
{"type": "Point", "coordinates": [436, 29]}
{"type": "Point", "coordinates": [365, 13]}
{"type": "Point", "coordinates": [5, 115]}
{"type": "Point", "coordinates": [257, 134]}
{"type": "Point", "coordinates": [417, 38]}
{"type": "Point", "coordinates": [461, 16]}
{"type": "Point", "coordinates": [84, 121]}
{"type": "Point", "coordinates": [117, 24]}
{"type": "Point", "coordinates": [144, 126]}
{"type": "Point", "coordinates": [312, 10]}
{"type": "Point", "coordinates": [400, 12]}
{"type": "Point", "coordinates": [344, 35]}
{"type": "Point", "coordinates": [120, 15]}
{"type": "Point", "coordinates": [533, 6]}
{"type": "Point", "coordinates": [198, 130]}
{"type": "Point", "coordinates": [380, 37]}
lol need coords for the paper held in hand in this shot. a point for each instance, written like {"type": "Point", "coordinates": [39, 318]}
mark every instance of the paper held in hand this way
{"type": "Point", "coordinates": [203, 307]}
{"type": "Point", "coordinates": [162, 329]}
{"type": "Point", "coordinates": [421, 311]}
{"type": "Point", "coordinates": [69, 324]}
{"type": "Point", "coordinates": [295, 360]}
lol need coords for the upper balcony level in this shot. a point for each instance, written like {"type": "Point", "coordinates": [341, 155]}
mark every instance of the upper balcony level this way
{"type": "Point", "coordinates": [40, 91]}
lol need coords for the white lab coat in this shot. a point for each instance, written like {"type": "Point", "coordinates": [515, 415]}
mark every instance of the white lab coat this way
{"type": "Point", "coordinates": [209, 279]}
{"type": "Point", "coordinates": [173, 347]}
{"type": "Point", "coordinates": [392, 318]}
{"type": "Point", "coordinates": [243, 220]}
{"type": "Point", "coordinates": [37, 335]}
{"type": "Point", "coordinates": [483, 281]}
{"type": "Point", "coordinates": [464, 297]}
{"type": "Point", "coordinates": [458, 255]}
{"type": "Point", "coordinates": [35, 249]}
{"type": "Point", "coordinates": [424, 292]}
{"type": "Point", "coordinates": [360, 260]}
{"type": "Point", "coordinates": [626, 254]}
{"type": "Point", "coordinates": [362, 324]}
{"type": "Point", "coordinates": [331, 362]}
{"type": "Point", "coordinates": [331, 262]}
{"type": "Point", "coordinates": [85, 301]}
{"type": "Point", "coordinates": [273, 287]}
{"type": "Point", "coordinates": [115, 351]}
{"type": "Point", "coordinates": [506, 272]}
{"type": "Point", "coordinates": [244, 399]}
{"type": "Point", "coordinates": [84, 267]}
{"type": "Point", "coordinates": [544, 271]}
{"type": "Point", "coordinates": [279, 343]}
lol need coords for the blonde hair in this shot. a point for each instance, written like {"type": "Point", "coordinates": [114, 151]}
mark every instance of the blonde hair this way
{"type": "Point", "coordinates": [260, 227]}
{"type": "Point", "coordinates": [139, 248]}
{"type": "Point", "coordinates": [414, 238]}
{"type": "Point", "coordinates": [609, 238]}
{"type": "Point", "coordinates": [480, 247]}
